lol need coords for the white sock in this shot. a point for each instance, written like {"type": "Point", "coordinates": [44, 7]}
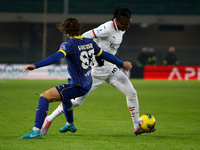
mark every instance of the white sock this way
{"type": "Point", "coordinates": [55, 113]}
{"type": "Point", "coordinates": [135, 120]}
{"type": "Point", "coordinates": [35, 128]}
{"type": "Point", "coordinates": [133, 107]}
{"type": "Point", "coordinates": [69, 124]}
{"type": "Point", "coordinates": [135, 117]}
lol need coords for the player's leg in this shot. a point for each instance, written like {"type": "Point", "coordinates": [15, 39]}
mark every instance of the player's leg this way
{"type": "Point", "coordinates": [58, 111]}
{"type": "Point", "coordinates": [67, 93]}
{"type": "Point", "coordinates": [77, 102]}
{"type": "Point", "coordinates": [48, 96]}
{"type": "Point", "coordinates": [68, 111]}
{"type": "Point", "coordinates": [122, 83]}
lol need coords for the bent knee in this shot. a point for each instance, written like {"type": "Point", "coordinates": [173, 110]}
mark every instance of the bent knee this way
{"type": "Point", "coordinates": [47, 95]}
{"type": "Point", "coordinates": [44, 94]}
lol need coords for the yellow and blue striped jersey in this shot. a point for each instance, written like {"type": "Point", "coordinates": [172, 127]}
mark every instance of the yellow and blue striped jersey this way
{"type": "Point", "coordinates": [79, 53]}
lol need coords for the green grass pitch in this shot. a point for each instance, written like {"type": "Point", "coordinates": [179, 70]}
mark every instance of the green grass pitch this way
{"type": "Point", "coordinates": [103, 120]}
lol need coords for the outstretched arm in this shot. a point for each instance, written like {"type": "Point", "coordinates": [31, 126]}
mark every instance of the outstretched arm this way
{"type": "Point", "coordinates": [113, 59]}
{"type": "Point", "coordinates": [48, 61]}
{"type": "Point", "coordinates": [29, 67]}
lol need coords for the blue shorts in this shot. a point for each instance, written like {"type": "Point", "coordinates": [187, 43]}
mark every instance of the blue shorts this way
{"type": "Point", "coordinates": [70, 91]}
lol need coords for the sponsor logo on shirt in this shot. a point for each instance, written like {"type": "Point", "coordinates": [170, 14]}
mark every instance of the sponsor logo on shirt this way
{"type": "Point", "coordinates": [99, 30]}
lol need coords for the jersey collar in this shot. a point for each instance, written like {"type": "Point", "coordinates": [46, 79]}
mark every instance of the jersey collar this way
{"type": "Point", "coordinates": [78, 37]}
{"type": "Point", "coordinates": [115, 25]}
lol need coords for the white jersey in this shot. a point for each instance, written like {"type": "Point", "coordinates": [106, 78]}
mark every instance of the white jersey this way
{"type": "Point", "coordinates": [108, 37]}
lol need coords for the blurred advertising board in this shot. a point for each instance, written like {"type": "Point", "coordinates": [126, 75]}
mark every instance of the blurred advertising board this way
{"type": "Point", "coordinates": [172, 72]}
{"type": "Point", "coordinates": [15, 71]}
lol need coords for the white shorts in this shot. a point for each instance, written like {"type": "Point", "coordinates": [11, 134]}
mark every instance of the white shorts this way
{"type": "Point", "coordinates": [109, 74]}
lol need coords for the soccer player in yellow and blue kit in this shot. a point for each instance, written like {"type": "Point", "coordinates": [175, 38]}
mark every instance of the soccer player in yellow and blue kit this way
{"type": "Point", "coordinates": [79, 53]}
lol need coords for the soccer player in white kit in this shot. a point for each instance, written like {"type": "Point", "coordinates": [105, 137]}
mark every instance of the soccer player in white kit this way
{"type": "Point", "coordinates": [108, 36]}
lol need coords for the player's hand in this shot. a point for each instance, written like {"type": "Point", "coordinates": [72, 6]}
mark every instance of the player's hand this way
{"type": "Point", "coordinates": [29, 67]}
{"type": "Point", "coordinates": [127, 65]}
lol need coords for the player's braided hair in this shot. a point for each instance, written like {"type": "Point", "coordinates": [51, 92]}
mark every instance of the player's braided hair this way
{"type": "Point", "coordinates": [121, 12]}
{"type": "Point", "coordinates": [70, 26]}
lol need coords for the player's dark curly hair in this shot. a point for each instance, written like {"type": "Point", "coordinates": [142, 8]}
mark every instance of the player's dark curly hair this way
{"type": "Point", "coordinates": [121, 12]}
{"type": "Point", "coordinates": [70, 26]}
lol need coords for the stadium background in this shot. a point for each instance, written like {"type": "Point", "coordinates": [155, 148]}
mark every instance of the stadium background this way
{"type": "Point", "coordinates": [157, 24]}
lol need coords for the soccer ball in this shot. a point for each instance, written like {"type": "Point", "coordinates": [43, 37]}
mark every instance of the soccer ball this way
{"type": "Point", "coordinates": [147, 122]}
